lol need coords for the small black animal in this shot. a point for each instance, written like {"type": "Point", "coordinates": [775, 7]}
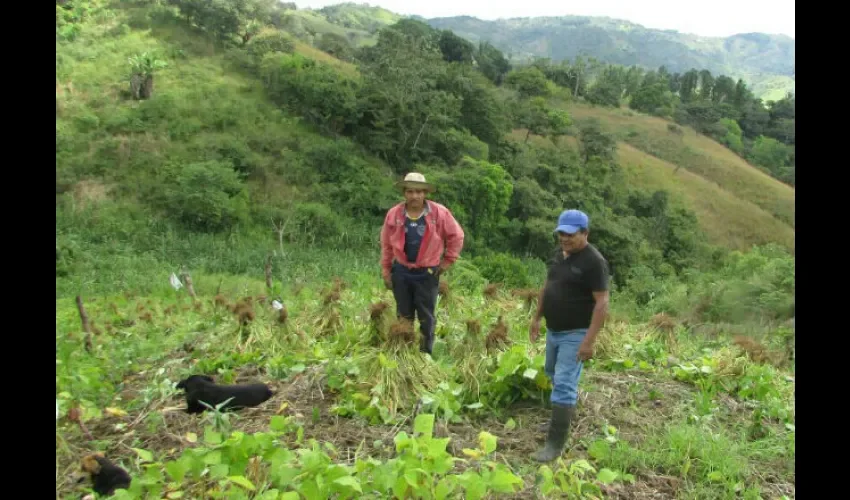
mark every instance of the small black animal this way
{"type": "Point", "coordinates": [106, 476]}
{"type": "Point", "coordinates": [202, 388]}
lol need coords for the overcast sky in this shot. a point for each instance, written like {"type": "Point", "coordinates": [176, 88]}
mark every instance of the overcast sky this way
{"type": "Point", "coordinates": [714, 18]}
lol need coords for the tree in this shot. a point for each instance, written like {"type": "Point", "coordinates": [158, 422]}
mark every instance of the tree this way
{"type": "Point", "coordinates": [455, 48]}
{"type": "Point", "coordinates": [770, 153]}
{"type": "Point", "coordinates": [225, 19]}
{"type": "Point", "coordinates": [706, 84]}
{"type": "Point", "coordinates": [653, 96]}
{"type": "Point", "coordinates": [724, 89]}
{"type": "Point", "coordinates": [479, 193]}
{"type": "Point", "coordinates": [482, 111]}
{"type": "Point", "coordinates": [608, 88]}
{"type": "Point", "coordinates": [326, 97]}
{"type": "Point", "coordinates": [688, 85]}
{"type": "Point", "coordinates": [143, 66]}
{"type": "Point", "coordinates": [528, 82]}
{"type": "Point", "coordinates": [205, 196]}
{"type": "Point", "coordinates": [734, 135]}
{"type": "Point", "coordinates": [596, 143]}
{"type": "Point", "coordinates": [492, 63]}
{"type": "Point", "coordinates": [539, 119]}
{"type": "Point", "coordinates": [335, 45]}
{"type": "Point", "coordinates": [404, 114]}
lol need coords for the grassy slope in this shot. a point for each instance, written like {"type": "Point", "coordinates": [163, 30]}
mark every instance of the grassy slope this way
{"type": "Point", "coordinates": [698, 154]}
{"type": "Point", "coordinates": [725, 218]}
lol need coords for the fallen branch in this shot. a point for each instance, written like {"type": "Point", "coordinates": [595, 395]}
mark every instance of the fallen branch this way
{"type": "Point", "coordinates": [86, 324]}
{"type": "Point", "coordinates": [184, 275]}
{"type": "Point", "coordinates": [269, 272]}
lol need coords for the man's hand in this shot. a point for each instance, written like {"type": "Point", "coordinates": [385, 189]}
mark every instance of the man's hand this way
{"type": "Point", "coordinates": [585, 350]}
{"type": "Point", "coordinates": [388, 282]}
{"type": "Point", "coordinates": [534, 331]}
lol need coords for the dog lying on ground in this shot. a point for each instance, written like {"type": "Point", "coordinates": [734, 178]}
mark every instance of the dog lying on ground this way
{"type": "Point", "coordinates": [105, 475]}
{"type": "Point", "coordinates": [202, 388]}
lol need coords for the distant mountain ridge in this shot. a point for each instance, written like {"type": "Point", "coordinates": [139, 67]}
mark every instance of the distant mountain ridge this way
{"type": "Point", "coordinates": [765, 61]}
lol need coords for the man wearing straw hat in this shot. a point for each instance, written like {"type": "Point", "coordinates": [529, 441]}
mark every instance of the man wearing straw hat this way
{"type": "Point", "coordinates": [574, 302]}
{"type": "Point", "coordinates": [419, 240]}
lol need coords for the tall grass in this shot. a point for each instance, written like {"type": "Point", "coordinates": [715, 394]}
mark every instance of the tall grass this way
{"type": "Point", "coordinates": [698, 154]}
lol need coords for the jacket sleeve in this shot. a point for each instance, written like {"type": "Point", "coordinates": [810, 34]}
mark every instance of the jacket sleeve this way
{"type": "Point", "coordinates": [386, 246]}
{"type": "Point", "coordinates": [453, 237]}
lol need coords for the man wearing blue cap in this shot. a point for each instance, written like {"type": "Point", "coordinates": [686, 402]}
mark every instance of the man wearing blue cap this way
{"type": "Point", "coordinates": [574, 302]}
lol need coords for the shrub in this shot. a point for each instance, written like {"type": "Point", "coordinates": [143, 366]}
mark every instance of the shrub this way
{"type": "Point", "coordinates": [206, 196]}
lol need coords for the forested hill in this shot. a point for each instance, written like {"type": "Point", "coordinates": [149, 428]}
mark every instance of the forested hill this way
{"type": "Point", "coordinates": [765, 61]}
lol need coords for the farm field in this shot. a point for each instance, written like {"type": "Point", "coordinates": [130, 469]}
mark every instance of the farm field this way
{"type": "Point", "coordinates": [359, 412]}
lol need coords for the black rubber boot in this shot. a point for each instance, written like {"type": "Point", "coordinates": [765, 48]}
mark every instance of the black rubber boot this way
{"type": "Point", "coordinates": [559, 430]}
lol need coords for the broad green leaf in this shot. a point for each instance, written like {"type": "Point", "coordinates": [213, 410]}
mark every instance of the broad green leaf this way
{"type": "Point", "coordinates": [145, 455]}
{"type": "Point", "coordinates": [213, 457]}
{"type": "Point", "coordinates": [400, 487]}
{"type": "Point", "coordinates": [510, 424]}
{"type": "Point", "coordinates": [530, 373]}
{"type": "Point", "coordinates": [191, 437]}
{"type": "Point", "coordinates": [349, 482]}
{"type": "Point", "coordinates": [628, 363]}
{"type": "Point", "coordinates": [599, 450]}
{"type": "Point", "coordinates": [438, 446]}
{"type": "Point", "coordinates": [606, 476]}
{"type": "Point", "coordinates": [290, 495]}
{"type": "Point", "coordinates": [475, 406]}
{"type": "Point", "coordinates": [278, 423]}
{"type": "Point", "coordinates": [243, 482]}
{"type": "Point", "coordinates": [715, 476]}
{"type": "Point", "coordinates": [424, 424]}
{"type": "Point", "coordinates": [444, 489]}
{"type": "Point", "coordinates": [220, 471]}
{"type": "Point", "coordinates": [272, 494]}
{"type": "Point", "coordinates": [475, 487]}
{"type": "Point", "coordinates": [503, 481]}
{"type": "Point", "coordinates": [212, 437]}
{"type": "Point", "coordinates": [177, 470]}
{"type": "Point", "coordinates": [487, 442]}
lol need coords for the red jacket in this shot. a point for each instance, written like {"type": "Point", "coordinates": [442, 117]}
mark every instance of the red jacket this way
{"type": "Point", "coordinates": [442, 232]}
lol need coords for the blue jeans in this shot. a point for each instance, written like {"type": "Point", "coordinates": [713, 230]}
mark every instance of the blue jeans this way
{"type": "Point", "coordinates": [562, 364]}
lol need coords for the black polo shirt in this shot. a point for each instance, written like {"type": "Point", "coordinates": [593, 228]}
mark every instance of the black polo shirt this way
{"type": "Point", "coordinates": [568, 296]}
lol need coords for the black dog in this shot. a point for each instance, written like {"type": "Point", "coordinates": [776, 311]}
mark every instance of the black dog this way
{"type": "Point", "coordinates": [106, 476]}
{"type": "Point", "coordinates": [202, 388]}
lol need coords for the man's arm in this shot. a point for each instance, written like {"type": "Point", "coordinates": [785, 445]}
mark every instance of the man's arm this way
{"type": "Point", "coordinates": [600, 314]}
{"type": "Point", "coordinates": [599, 285]}
{"type": "Point", "coordinates": [453, 237]}
{"type": "Point", "coordinates": [539, 313]}
{"type": "Point", "coordinates": [386, 248]}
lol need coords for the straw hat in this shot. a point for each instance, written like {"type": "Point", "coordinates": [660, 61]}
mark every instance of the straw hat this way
{"type": "Point", "coordinates": [415, 180]}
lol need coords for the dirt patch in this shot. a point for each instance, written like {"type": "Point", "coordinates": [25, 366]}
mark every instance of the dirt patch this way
{"type": "Point", "coordinates": [89, 192]}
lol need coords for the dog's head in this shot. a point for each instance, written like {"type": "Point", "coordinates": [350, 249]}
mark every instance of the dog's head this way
{"type": "Point", "coordinates": [90, 463]}
{"type": "Point", "coordinates": [194, 381]}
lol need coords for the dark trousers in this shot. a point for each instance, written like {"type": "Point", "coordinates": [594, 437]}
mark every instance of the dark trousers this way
{"type": "Point", "coordinates": [416, 293]}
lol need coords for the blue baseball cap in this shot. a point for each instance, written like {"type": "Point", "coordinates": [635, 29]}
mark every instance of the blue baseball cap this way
{"type": "Point", "coordinates": [570, 221]}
